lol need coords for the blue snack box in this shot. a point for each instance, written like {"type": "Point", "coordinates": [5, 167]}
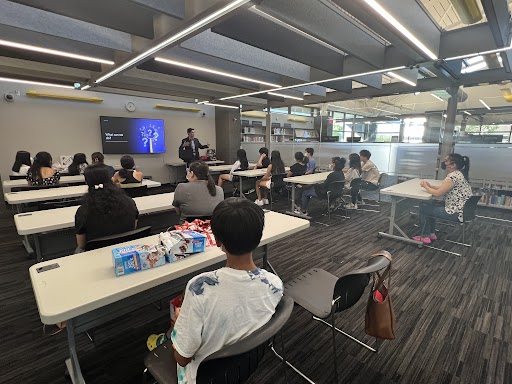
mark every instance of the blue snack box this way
{"type": "Point", "coordinates": [187, 241]}
{"type": "Point", "coordinates": [135, 258]}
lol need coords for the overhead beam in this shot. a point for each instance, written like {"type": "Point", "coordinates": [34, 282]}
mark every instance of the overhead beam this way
{"type": "Point", "coordinates": [468, 40]}
{"type": "Point", "coordinates": [498, 19]}
{"type": "Point", "coordinates": [174, 8]}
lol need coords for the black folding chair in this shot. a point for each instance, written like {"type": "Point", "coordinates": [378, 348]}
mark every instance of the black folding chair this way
{"type": "Point", "coordinates": [135, 189]}
{"type": "Point", "coordinates": [13, 177]}
{"type": "Point", "coordinates": [106, 241]}
{"type": "Point", "coordinates": [277, 183]}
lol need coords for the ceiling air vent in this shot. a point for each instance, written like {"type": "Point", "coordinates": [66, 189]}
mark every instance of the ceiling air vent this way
{"type": "Point", "coordinates": [468, 10]}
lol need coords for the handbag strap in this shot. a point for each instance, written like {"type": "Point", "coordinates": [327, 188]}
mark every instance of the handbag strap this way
{"type": "Point", "coordinates": [377, 283]}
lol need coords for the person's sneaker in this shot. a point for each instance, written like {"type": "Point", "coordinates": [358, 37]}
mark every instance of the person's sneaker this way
{"type": "Point", "coordinates": [297, 211]}
{"type": "Point", "coordinates": [433, 236]}
{"type": "Point", "coordinates": [351, 206]}
{"type": "Point", "coordinates": [265, 201]}
{"type": "Point", "coordinates": [250, 191]}
{"type": "Point", "coordinates": [424, 240]}
{"type": "Point", "coordinates": [259, 202]}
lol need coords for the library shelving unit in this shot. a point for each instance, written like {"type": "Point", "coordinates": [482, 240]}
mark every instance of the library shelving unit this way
{"type": "Point", "coordinates": [495, 194]}
{"type": "Point", "coordinates": [281, 134]}
{"type": "Point", "coordinates": [253, 131]}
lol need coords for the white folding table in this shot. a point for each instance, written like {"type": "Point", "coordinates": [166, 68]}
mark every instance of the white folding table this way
{"type": "Point", "coordinates": [177, 166]}
{"type": "Point", "coordinates": [252, 173]}
{"type": "Point", "coordinates": [311, 179]}
{"type": "Point", "coordinates": [8, 184]}
{"type": "Point", "coordinates": [409, 189]}
{"type": "Point", "coordinates": [38, 222]}
{"type": "Point", "coordinates": [83, 291]}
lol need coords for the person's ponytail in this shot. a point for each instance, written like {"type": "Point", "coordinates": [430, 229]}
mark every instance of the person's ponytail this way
{"type": "Point", "coordinates": [202, 172]}
{"type": "Point", "coordinates": [465, 169]}
{"type": "Point", "coordinates": [211, 186]}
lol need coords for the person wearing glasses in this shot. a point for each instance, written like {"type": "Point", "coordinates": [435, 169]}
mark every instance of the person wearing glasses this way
{"type": "Point", "coordinates": [455, 191]}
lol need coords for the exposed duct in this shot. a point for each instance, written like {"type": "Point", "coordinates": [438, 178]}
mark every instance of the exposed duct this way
{"type": "Point", "coordinates": [468, 11]}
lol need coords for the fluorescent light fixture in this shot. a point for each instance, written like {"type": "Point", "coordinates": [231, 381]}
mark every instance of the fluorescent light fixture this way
{"type": "Point", "coordinates": [485, 105]}
{"type": "Point", "coordinates": [296, 30]}
{"type": "Point", "coordinates": [401, 78]}
{"type": "Point", "coordinates": [474, 68]}
{"type": "Point", "coordinates": [474, 60]}
{"type": "Point", "coordinates": [404, 31]}
{"type": "Point", "coordinates": [285, 96]}
{"type": "Point", "coordinates": [479, 53]}
{"type": "Point", "coordinates": [218, 105]}
{"type": "Point", "coordinates": [445, 115]}
{"type": "Point", "coordinates": [36, 83]}
{"type": "Point", "coordinates": [467, 113]}
{"type": "Point", "coordinates": [384, 110]}
{"type": "Point", "coordinates": [85, 87]}
{"type": "Point", "coordinates": [437, 97]}
{"type": "Point", "coordinates": [181, 34]}
{"type": "Point", "coordinates": [33, 48]}
{"type": "Point", "coordinates": [315, 82]}
{"type": "Point", "coordinates": [213, 71]}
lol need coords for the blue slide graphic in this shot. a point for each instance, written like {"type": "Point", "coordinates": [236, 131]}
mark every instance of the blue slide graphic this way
{"type": "Point", "coordinates": [132, 135]}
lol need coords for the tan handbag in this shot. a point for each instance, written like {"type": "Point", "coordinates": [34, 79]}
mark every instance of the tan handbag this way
{"type": "Point", "coordinates": [380, 314]}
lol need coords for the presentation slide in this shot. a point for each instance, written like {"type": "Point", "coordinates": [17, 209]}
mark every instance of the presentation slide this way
{"type": "Point", "coordinates": [121, 135]}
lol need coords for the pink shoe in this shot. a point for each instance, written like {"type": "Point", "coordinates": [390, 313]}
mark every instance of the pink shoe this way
{"type": "Point", "coordinates": [424, 240]}
{"type": "Point", "coordinates": [433, 236]}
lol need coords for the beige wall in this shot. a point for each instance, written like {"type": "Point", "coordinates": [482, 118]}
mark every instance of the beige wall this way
{"type": "Point", "coordinates": [64, 127]}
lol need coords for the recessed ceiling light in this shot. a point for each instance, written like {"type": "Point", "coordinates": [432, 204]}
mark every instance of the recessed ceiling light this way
{"type": "Point", "coordinates": [36, 83]}
{"type": "Point", "coordinates": [445, 115]}
{"type": "Point", "coordinates": [33, 48]}
{"type": "Point", "coordinates": [401, 78]}
{"type": "Point", "coordinates": [485, 105]}
{"type": "Point", "coordinates": [218, 105]}
{"type": "Point", "coordinates": [285, 96]}
{"type": "Point", "coordinates": [404, 31]}
{"type": "Point", "coordinates": [437, 97]}
{"type": "Point", "coordinates": [176, 37]}
{"type": "Point", "coordinates": [213, 71]}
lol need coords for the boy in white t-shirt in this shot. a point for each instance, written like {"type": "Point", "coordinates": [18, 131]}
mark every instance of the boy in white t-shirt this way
{"type": "Point", "coordinates": [226, 305]}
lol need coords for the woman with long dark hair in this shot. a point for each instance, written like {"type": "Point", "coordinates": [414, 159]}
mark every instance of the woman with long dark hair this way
{"type": "Point", "coordinates": [21, 164]}
{"type": "Point", "coordinates": [455, 190]}
{"type": "Point", "coordinates": [276, 167]}
{"type": "Point", "coordinates": [41, 171]}
{"type": "Point", "coordinates": [78, 165]}
{"type": "Point", "coordinates": [354, 172]}
{"type": "Point", "coordinates": [106, 209]}
{"type": "Point", "coordinates": [127, 174]}
{"type": "Point", "coordinates": [198, 197]}
{"type": "Point", "coordinates": [241, 164]}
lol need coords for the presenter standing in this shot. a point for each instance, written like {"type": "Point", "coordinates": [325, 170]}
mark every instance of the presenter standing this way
{"type": "Point", "coordinates": [190, 146]}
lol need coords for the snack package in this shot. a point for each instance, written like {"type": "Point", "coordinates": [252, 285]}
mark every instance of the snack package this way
{"type": "Point", "coordinates": [138, 257]}
{"type": "Point", "coordinates": [182, 242]}
{"type": "Point", "coordinates": [201, 227]}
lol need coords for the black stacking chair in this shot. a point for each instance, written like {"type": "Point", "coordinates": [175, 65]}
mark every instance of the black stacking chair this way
{"type": "Point", "coordinates": [13, 177]}
{"type": "Point", "coordinates": [37, 187]}
{"type": "Point", "coordinates": [469, 214]}
{"type": "Point", "coordinates": [324, 294]}
{"type": "Point", "coordinates": [233, 364]}
{"type": "Point", "coordinates": [106, 241]}
{"type": "Point", "coordinates": [335, 197]}
{"type": "Point", "coordinates": [44, 205]}
{"type": "Point", "coordinates": [135, 189]}
{"type": "Point", "coordinates": [383, 180]}
{"type": "Point", "coordinates": [192, 218]}
{"type": "Point", "coordinates": [277, 183]}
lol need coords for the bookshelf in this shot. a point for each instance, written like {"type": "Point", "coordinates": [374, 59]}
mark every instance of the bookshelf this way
{"type": "Point", "coordinates": [253, 131]}
{"type": "Point", "coordinates": [281, 134]}
{"type": "Point", "coordinates": [495, 194]}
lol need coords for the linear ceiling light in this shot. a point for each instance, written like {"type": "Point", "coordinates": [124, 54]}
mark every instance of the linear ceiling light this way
{"type": "Point", "coordinates": [297, 30]}
{"type": "Point", "coordinates": [218, 105]}
{"type": "Point", "coordinates": [469, 55]}
{"type": "Point", "coordinates": [383, 110]}
{"type": "Point", "coordinates": [183, 33]}
{"type": "Point", "coordinates": [55, 52]}
{"type": "Point", "coordinates": [36, 83]}
{"type": "Point", "coordinates": [316, 82]}
{"type": "Point", "coordinates": [467, 113]}
{"type": "Point", "coordinates": [213, 71]}
{"type": "Point", "coordinates": [401, 78]}
{"type": "Point", "coordinates": [404, 31]}
{"type": "Point", "coordinates": [485, 105]}
{"type": "Point", "coordinates": [437, 97]}
{"type": "Point", "coordinates": [85, 87]}
{"type": "Point", "coordinates": [285, 96]}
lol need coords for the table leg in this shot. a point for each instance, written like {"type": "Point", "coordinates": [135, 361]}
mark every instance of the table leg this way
{"type": "Point", "coordinates": [242, 194]}
{"type": "Point", "coordinates": [392, 215]}
{"type": "Point", "coordinates": [393, 226]}
{"type": "Point", "coordinates": [72, 363]}
{"type": "Point", "coordinates": [39, 255]}
{"type": "Point", "coordinates": [26, 244]}
{"type": "Point", "coordinates": [293, 198]}
{"type": "Point", "coordinates": [266, 264]}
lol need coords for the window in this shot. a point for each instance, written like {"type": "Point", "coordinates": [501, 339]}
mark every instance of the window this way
{"type": "Point", "coordinates": [414, 129]}
{"type": "Point", "coordinates": [494, 133]}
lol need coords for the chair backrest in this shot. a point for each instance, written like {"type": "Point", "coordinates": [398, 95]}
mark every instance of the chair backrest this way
{"type": "Point", "coordinates": [135, 190]}
{"type": "Point", "coordinates": [37, 187]}
{"type": "Point", "coordinates": [383, 179]}
{"type": "Point", "coordinates": [13, 177]}
{"type": "Point", "coordinates": [106, 241]}
{"type": "Point", "coordinates": [317, 169]}
{"type": "Point", "coordinates": [350, 287]}
{"type": "Point", "coordinates": [356, 183]}
{"type": "Point", "coordinates": [236, 362]}
{"type": "Point", "coordinates": [44, 205]}
{"type": "Point", "coordinates": [192, 218]}
{"type": "Point", "coordinates": [469, 211]}
{"type": "Point", "coordinates": [336, 188]}
{"type": "Point", "coordinates": [277, 180]}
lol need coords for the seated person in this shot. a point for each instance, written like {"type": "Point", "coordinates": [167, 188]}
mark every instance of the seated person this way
{"type": "Point", "coordinates": [354, 172]}
{"type": "Point", "coordinates": [276, 167]}
{"type": "Point", "coordinates": [78, 165]}
{"type": "Point", "coordinates": [21, 164]}
{"type": "Point", "coordinates": [199, 196]}
{"type": "Point", "coordinates": [106, 210]}
{"type": "Point", "coordinates": [98, 158]}
{"type": "Point", "coordinates": [128, 174]}
{"type": "Point", "coordinates": [370, 171]}
{"type": "Point", "coordinates": [241, 164]}
{"type": "Point", "coordinates": [311, 161]}
{"type": "Point", "coordinates": [224, 306]}
{"type": "Point", "coordinates": [263, 161]}
{"type": "Point", "coordinates": [320, 190]}
{"type": "Point", "coordinates": [41, 171]}
{"type": "Point", "coordinates": [456, 191]}
{"type": "Point", "coordinates": [300, 166]}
